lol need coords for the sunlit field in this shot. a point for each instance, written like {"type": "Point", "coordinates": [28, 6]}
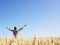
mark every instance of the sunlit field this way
{"type": "Point", "coordinates": [30, 41]}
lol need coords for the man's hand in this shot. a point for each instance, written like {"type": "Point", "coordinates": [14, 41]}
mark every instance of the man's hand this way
{"type": "Point", "coordinates": [25, 25]}
{"type": "Point", "coordinates": [8, 28]}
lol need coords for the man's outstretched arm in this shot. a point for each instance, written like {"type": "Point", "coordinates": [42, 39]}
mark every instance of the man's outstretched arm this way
{"type": "Point", "coordinates": [22, 27]}
{"type": "Point", "coordinates": [8, 28]}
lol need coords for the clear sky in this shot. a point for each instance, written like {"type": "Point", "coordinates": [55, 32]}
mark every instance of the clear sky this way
{"type": "Point", "coordinates": [41, 16]}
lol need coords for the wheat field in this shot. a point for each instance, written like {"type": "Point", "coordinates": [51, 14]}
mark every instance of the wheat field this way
{"type": "Point", "coordinates": [30, 41]}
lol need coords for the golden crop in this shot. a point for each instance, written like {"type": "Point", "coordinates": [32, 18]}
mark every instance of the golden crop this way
{"type": "Point", "coordinates": [30, 41]}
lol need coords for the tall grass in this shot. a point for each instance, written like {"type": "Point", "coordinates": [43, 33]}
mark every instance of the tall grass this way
{"type": "Point", "coordinates": [30, 41]}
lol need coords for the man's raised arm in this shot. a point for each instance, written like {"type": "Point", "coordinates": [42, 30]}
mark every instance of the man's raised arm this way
{"type": "Point", "coordinates": [22, 27]}
{"type": "Point", "coordinates": [8, 28]}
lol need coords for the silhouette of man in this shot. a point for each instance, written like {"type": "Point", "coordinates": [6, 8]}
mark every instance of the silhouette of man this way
{"type": "Point", "coordinates": [15, 30]}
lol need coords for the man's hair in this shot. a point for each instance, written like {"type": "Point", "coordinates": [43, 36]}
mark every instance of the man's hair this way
{"type": "Point", "coordinates": [15, 28]}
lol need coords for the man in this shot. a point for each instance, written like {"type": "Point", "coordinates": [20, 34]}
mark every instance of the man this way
{"type": "Point", "coordinates": [15, 31]}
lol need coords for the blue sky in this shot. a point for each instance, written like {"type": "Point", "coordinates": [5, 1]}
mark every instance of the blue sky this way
{"type": "Point", "coordinates": [41, 16]}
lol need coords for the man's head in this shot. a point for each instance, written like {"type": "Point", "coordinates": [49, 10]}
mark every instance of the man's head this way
{"type": "Point", "coordinates": [15, 28]}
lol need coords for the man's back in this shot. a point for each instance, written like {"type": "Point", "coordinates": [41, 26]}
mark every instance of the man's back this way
{"type": "Point", "coordinates": [15, 32]}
